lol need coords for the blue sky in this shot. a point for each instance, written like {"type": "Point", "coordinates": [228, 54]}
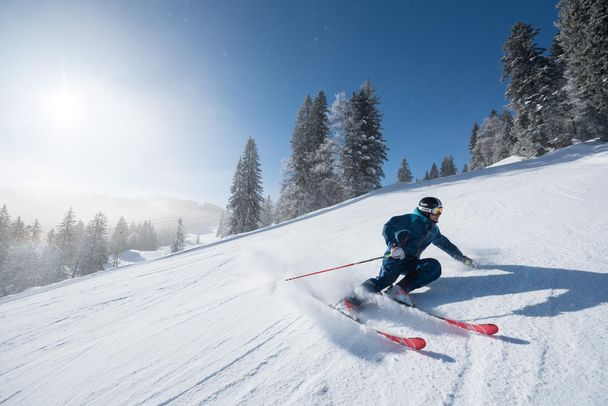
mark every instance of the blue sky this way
{"type": "Point", "coordinates": [139, 98]}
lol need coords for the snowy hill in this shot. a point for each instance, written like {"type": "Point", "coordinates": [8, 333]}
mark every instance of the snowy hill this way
{"type": "Point", "coordinates": [219, 325]}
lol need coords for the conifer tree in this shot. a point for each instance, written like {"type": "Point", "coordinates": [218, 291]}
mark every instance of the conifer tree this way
{"type": "Point", "coordinates": [67, 242]}
{"type": "Point", "coordinates": [292, 202]}
{"type": "Point", "coordinates": [404, 175]}
{"type": "Point", "coordinates": [434, 172]}
{"type": "Point", "coordinates": [527, 70]}
{"type": "Point", "coordinates": [323, 189]}
{"type": "Point", "coordinates": [473, 139]}
{"type": "Point", "coordinates": [119, 239]}
{"type": "Point", "coordinates": [180, 239]}
{"type": "Point", "coordinates": [505, 139]}
{"type": "Point", "coordinates": [94, 252]}
{"type": "Point", "coordinates": [489, 136]}
{"type": "Point", "coordinates": [448, 168]}
{"type": "Point", "coordinates": [364, 149]}
{"type": "Point", "coordinates": [310, 181]}
{"type": "Point", "coordinates": [34, 231]}
{"type": "Point", "coordinates": [18, 231]}
{"type": "Point", "coordinates": [268, 215]}
{"type": "Point", "coordinates": [245, 201]}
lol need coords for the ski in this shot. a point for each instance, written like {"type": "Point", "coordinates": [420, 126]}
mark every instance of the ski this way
{"type": "Point", "coordinates": [481, 328]}
{"type": "Point", "coordinates": [416, 343]}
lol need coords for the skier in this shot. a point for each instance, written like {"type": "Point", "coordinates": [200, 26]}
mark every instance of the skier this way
{"type": "Point", "coordinates": [406, 237]}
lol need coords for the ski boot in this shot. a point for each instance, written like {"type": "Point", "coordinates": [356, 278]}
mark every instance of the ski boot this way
{"type": "Point", "coordinates": [400, 295]}
{"type": "Point", "coordinates": [349, 305]}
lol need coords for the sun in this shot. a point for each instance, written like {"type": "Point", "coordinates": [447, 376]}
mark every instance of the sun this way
{"type": "Point", "coordinates": [64, 107]}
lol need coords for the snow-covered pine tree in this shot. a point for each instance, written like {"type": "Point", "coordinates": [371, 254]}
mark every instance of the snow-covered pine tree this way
{"type": "Point", "coordinates": [119, 239]}
{"type": "Point", "coordinates": [292, 201]}
{"type": "Point", "coordinates": [67, 242]}
{"type": "Point", "coordinates": [132, 239]}
{"type": "Point", "coordinates": [34, 230]}
{"type": "Point", "coordinates": [340, 120]}
{"type": "Point", "coordinates": [448, 168]}
{"type": "Point", "coordinates": [245, 201]}
{"type": "Point", "coordinates": [434, 172]}
{"type": "Point", "coordinates": [180, 238]}
{"type": "Point", "coordinates": [51, 259]}
{"type": "Point", "coordinates": [404, 175]}
{"type": "Point", "coordinates": [527, 70]}
{"type": "Point", "coordinates": [268, 213]}
{"type": "Point", "coordinates": [489, 138]}
{"type": "Point", "coordinates": [18, 231]}
{"type": "Point", "coordinates": [561, 122]}
{"type": "Point", "coordinates": [505, 142]}
{"type": "Point", "coordinates": [309, 181]}
{"type": "Point", "coordinates": [465, 168]}
{"type": "Point", "coordinates": [584, 38]}
{"type": "Point", "coordinates": [94, 252]}
{"type": "Point", "coordinates": [324, 189]}
{"type": "Point", "coordinates": [339, 115]}
{"type": "Point", "coordinates": [364, 149]}
{"type": "Point", "coordinates": [473, 139]}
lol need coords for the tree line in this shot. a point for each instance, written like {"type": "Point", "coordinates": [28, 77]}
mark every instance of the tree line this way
{"type": "Point", "coordinates": [71, 249]}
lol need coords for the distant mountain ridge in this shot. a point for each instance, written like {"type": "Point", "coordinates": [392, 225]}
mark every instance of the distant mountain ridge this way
{"type": "Point", "coordinates": [50, 206]}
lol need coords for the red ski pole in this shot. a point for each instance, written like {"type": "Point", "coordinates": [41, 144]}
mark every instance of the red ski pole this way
{"type": "Point", "coordinates": [333, 269]}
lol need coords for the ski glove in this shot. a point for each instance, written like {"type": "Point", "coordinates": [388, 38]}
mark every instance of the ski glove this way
{"type": "Point", "coordinates": [468, 262]}
{"type": "Point", "coordinates": [397, 253]}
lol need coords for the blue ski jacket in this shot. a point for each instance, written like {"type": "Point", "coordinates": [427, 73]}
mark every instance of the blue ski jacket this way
{"type": "Point", "coordinates": [414, 232]}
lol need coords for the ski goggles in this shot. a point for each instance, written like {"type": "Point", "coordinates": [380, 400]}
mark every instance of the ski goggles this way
{"type": "Point", "coordinates": [434, 211]}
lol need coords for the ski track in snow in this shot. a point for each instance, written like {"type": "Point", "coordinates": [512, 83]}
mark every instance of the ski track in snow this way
{"type": "Point", "coordinates": [218, 324]}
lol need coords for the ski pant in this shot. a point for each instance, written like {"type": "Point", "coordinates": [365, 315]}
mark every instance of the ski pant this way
{"type": "Point", "coordinates": [418, 273]}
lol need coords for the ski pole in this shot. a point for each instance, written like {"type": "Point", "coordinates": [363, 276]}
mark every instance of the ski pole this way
{"type": "Point", "coordinates": [333, 269]}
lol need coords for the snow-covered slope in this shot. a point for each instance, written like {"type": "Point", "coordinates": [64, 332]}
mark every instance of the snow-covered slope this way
{"type": "Point", "coordinates": [219, 325]}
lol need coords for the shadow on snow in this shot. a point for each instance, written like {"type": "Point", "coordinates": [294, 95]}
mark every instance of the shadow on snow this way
{"type": "Point", "coordinates": [583, 289]}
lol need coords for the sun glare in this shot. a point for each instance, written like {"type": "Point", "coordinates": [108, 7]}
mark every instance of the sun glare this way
{"type": "Point", "coordinates": [64, 107]}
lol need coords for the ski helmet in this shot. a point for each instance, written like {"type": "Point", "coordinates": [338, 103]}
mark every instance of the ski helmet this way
{"type": "Point", "coordinates": [430, 205]}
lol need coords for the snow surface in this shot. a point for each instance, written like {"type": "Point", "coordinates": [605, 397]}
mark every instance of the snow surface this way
{"type": "Point", "coordinates": [509, 160]}
{"type": "Point", "coordinates": [219, 325]}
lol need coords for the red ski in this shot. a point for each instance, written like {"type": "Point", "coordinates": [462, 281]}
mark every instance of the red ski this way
{"type": "Point", "coordinates": [481, 328]}
{"type": "Point", "coordinates": [415, 343]}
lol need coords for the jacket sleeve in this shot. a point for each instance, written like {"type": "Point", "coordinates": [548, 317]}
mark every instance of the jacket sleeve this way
{"type": "Point", "coordinates": [393, 231]}
{"type": "Point", "coordinates": [446, 245]}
